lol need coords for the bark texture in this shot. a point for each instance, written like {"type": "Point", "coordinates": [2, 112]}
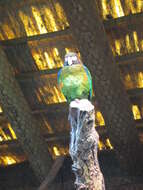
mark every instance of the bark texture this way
{"type": "Point", "coordinates": [19, 115]}
{"type": "Point", "coordinates": [88, 31]}
{"type": "Point", "coordinates": [84, 145]}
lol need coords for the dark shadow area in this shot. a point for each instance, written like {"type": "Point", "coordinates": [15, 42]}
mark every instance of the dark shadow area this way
{"type": "Point", "coordinates": [21, 176]}
{"type": "Point", "coordinates": [18, 177]}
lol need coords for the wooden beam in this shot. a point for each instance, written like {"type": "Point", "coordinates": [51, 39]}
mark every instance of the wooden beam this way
{"type": "Point", "coordinates": [139, 124]}
{"type": "Point", "coordinates": [29, 75]}
{"type": "Point", "coordinates": [35, 37]}
{"type": "Point", "coordinates": [131, 20]}
{"type": "Point", "coordinates": [65, 136]}
{"type": "Point", "coordinates": [134, 65]}
{"type": "Point", "coordinates": [9, 142]}
{"type": "Point", "coordinates": [59, 107]}
{"type": "Point", "coordinates": [135, 92]}
{"type": "Point", "coordinates": [135, 59]}
{"type": "Point", "coordinates": [126, 59]}
{"type": "Point", "coordinates": [63, 107]}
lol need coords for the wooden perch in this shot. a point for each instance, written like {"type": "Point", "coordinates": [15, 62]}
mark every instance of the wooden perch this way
{"type": "Point", "coordinates": [84, 145]}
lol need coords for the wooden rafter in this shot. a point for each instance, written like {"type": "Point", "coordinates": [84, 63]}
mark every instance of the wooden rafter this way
{"type": "Point", "coordinates": [29, 75]}
{"type": "Point", "coordinates": [63, 107]}
{"type": "Point", "coordinates": [131, 20]}
{"type": "Point", "coordinates": [135, 59]}
{"type": "Point", "coordinates": [35, 37]}
{"type": "Point", "coordinates": [135, 92]}
{"type": "Point", "coordinates": [125, 59]}
{"type": "Point", "coordinates": [65, 136]}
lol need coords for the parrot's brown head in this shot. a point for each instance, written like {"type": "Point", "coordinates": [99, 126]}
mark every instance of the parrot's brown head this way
{"type": "Point", "coordinates": [72, 58]}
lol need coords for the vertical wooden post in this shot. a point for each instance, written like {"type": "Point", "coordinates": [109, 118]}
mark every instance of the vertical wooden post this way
{"type": "Point", "coordinates": [25, 126]}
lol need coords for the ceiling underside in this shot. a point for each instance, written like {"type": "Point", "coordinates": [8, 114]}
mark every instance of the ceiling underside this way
{"type": "Point", "coordinates": [35, 35]}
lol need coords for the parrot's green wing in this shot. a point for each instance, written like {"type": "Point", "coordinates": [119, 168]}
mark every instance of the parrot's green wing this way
{"type": "Point", "coordinates": [90, 81]}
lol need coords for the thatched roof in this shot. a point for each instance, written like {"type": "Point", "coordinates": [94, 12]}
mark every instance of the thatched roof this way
{"type": "Point", "coordinates": [35, 35]}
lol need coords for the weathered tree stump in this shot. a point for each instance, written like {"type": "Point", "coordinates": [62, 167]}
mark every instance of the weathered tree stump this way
{"type": "Point", "coordinates": [83, 146]}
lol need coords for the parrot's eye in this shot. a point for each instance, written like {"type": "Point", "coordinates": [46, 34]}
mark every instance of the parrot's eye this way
{"type": "Point", "coordinates": [74, 58]}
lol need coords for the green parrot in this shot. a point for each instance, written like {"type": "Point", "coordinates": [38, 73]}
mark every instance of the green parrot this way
{"type": "Point", "coordinates": [74, 79]}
